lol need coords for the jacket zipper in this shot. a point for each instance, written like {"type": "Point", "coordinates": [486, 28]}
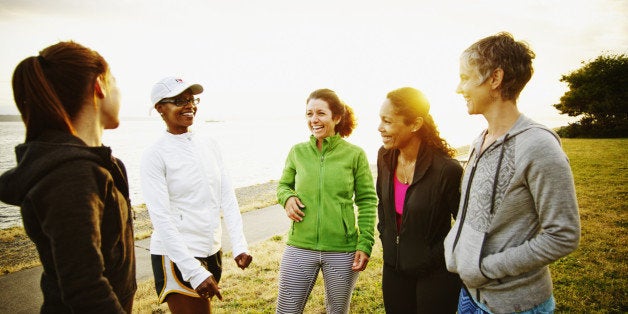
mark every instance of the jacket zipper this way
{"type": "Point", "coordinates": [320, 196]}
{"type": "Point", "coordinates": [463, 215]}
{"type": "Point", "coordinates": [391, 192]}
{"type": "Point", "coordinates": [466, 193]}
{"type": "Point", "coordinates": [492, 210]}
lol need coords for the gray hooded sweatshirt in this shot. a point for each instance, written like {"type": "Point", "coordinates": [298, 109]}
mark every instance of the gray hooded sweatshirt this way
{"type": "Point", "coordinates": [518, 213]}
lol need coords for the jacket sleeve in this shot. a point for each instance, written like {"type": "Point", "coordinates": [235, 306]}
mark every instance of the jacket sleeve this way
{"type": "Point", "coordinates": [449, 183]}
{"type": "Point", "coordinates": [285, 187]}
{"type": "Point", "coordinates": [451, 187]}
{"type": "Point", "coordinates": [155, 191]}
{"type": "Point", "coordinates": [550, 182]}
{"type": "Point", "coordinates": [231, 210]}
{"type": "Point", "coordinates": [366, 201]}
{"type": "Point", "coordinates": [71, 213]}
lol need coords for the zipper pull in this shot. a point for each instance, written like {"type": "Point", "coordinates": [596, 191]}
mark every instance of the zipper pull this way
{"type": "Point", "coordinates": [397, 240]}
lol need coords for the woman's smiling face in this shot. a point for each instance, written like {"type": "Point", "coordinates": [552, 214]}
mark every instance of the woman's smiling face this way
{"type": "Point", "coordinates": [320, 119]}
{"type": "Point", "coordinates": [474, 89]}
{"type": "Point", "coordinates": [178, 119]}
{"type": "Point", "coordinates": [396, 134]}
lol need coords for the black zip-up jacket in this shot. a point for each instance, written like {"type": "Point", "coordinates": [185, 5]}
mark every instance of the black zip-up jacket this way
{"type": "Point", "coordinates": [431, 202]}
{"type": "Point", "coordinates": [75, 207]}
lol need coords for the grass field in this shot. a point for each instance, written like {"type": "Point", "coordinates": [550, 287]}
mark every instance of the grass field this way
{"type": "Point", "coordinates": [592, 279]}
{"type": "Point", "coordinates": [595, 277]}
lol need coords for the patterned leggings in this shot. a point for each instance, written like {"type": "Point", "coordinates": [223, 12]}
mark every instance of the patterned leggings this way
{"type": "Point", "coordinates": [298, 272]}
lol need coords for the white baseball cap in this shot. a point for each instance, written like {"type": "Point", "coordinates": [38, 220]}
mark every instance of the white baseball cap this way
{"type": "Point", "coordinates": [172, 86]}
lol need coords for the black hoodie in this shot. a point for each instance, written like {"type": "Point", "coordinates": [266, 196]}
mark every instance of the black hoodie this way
{"type": "Point", "coordinates": [75, 207]}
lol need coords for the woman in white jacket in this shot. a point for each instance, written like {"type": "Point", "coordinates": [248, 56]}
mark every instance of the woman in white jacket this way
{"type": "Point", "coordinates": [186, 188]}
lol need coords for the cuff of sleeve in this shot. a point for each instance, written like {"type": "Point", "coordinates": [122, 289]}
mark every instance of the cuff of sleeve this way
{"type": "Point", "coordinates": [197, 279]}
{"type": "Point", "coordinates": [364, 249]}
{"type": "Point", "coordinates": [484, 271]}
{"type": "Point", "coordinates": [239, 250]}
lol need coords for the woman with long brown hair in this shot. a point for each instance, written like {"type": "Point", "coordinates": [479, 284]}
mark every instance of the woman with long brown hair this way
{"type": "Point", "coordinates": [73, 193]}
{"type": "Point", "coordinates": [418, 185]}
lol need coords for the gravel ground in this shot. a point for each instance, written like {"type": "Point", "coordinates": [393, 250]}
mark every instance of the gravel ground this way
{"type": "Point", "coordinates": [18, 252]}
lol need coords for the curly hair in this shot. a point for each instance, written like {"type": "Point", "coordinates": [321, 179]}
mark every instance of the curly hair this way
{"type": "Point", "coordinates": [503, 52]}
{"type": "Point", "coordinates": [338, 109]}
{"type": "Point", "coordinates": [411, 103]}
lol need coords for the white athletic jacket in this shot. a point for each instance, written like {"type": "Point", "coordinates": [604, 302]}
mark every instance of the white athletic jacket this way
{"type": "Point", "coordinates": [186, 187]}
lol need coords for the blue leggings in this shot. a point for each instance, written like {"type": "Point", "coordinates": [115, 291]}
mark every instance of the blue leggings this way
{"type": "Point", "coordinates": [298, 272]}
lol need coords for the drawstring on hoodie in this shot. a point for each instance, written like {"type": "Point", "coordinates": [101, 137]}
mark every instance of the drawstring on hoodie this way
{"type": "Point", "coordinates": [471, 176]}
{"type": "Point", "coordinates": [495, 183]}
{"type": "Point", "coordinates": [499, 166]}
{"type": "Point", "coordinates": [465, 203]}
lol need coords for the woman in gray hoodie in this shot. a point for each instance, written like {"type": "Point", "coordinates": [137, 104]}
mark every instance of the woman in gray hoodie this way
{"type": "Point", "coordinates": [518, 210]}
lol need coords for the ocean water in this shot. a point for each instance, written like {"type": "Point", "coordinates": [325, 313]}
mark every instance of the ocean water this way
{"type": "Point", "coordinates": [254, 151]}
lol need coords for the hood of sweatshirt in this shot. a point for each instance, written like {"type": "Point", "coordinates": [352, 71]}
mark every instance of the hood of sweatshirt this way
{"type": "Point", "coordinates": [37, 158]}
{"type": "Point", "coordinates": [522, 124]}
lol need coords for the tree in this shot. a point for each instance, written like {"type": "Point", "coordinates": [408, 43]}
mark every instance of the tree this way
{"type": "Point", "coordinates": [598, 92]}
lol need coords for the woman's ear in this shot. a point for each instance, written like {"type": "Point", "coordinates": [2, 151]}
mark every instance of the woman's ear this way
{"type": "Point", "coordinates": [99, 87]}
{"type": "Point", "coordinates": [496, 78]}
{"type": "Point", "coordinates": [418, 123]}
{"type": "Point", "coordinates": [158, 109]}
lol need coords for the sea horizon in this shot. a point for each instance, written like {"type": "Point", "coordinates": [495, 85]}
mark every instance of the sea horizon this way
{"type": "Point", "coordinates": [253, 150]}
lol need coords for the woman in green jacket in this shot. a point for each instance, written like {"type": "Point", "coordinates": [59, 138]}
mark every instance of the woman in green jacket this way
{"type": "Point", "coordinates": [322, 181]}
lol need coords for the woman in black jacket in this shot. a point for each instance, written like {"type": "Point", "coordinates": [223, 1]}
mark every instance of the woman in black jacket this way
{"type": "Point", "coordinates": [418, 185]}
{"type": "Point", "coordinates": [73, 194]}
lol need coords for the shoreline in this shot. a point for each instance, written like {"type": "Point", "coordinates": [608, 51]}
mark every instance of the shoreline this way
{"type": "Point", "coordinates": [19, 252]}
{"type": "Point", "coordinates": [249, 198]}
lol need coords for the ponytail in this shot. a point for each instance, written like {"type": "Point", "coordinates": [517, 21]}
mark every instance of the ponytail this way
{"type": "Point", "coordinates": [37, 101]}
{"type": "Point", "coordinates": [347, 122]}
{"type": "Point", "coordinates": [50, 89]}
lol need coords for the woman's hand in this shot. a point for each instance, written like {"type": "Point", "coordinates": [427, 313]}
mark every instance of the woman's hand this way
{"type": "Point", "coordinates": [293, 209]}
{"type": "Point", "coordinates": [360, 260]}
{"type": "Point", "coordinates": [209, 288]}
{"type": "Point", "coordinates": [243, 260]}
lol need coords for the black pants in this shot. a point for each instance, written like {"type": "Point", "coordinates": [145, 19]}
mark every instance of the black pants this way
{"type": "Point", "coordinates": [436, 292]}
{"type": "Point", "coordinates": [212, 263]}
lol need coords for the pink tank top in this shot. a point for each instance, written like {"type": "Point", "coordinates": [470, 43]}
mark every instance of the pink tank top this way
{"type": "Point", "coordinates": [400, 197]}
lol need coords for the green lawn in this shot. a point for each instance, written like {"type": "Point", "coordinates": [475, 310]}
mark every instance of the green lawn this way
{"type": "Point", "coordinates": [592, 279]}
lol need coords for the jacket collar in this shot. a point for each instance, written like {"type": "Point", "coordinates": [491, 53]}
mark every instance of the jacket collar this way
{"type": "Point", "coordinates": [328, 142]}
{"type": "Point", "coordinates": [423, 162]}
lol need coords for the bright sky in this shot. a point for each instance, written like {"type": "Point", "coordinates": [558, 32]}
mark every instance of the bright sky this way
{"type": "Point", "coordinates": [260, 59]}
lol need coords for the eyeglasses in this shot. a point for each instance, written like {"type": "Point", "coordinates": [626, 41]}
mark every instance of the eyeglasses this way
{"type": "Point", "coordinates": [180, 102]}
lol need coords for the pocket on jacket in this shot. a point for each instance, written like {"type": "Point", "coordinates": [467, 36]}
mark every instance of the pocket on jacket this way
{"type": "Point", "coordinates": [348, 220]}
{"type": "Point", "coordinates": [177, 216]}
{"type": "Point", "coordinates": [466, 259]}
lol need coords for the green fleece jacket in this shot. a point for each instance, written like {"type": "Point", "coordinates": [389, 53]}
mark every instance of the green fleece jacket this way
{"type": "Point", "coordinates": [329, 182]}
